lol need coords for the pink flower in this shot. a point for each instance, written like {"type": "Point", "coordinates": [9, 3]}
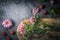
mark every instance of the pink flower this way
{"type": "Point", "coordinates": [22, 28]}
{"type": "Point", "coordinates": [32, 20]}
{"type": "Point", "coordinates": [35, 11]}
{"type": "Point", "coordinates": [7, 23]}
{"type": "Point", "coordinates": [22, 32]}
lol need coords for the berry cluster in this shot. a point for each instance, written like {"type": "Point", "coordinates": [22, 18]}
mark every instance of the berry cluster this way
{"type": "Point", "coordinates": [5, 34]}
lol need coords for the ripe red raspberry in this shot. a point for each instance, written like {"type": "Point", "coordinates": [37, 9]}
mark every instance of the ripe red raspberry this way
{"type": "Point", "coordinates": [41, 6]}
{"type": "Point", "coordinates": [8, 38]}
{"type": "Point", "coordinates": [12, 32]}
{"type": "Point", "coordinates": [44, 12]}
{"type": "Point", "coordinates": [4, 33]}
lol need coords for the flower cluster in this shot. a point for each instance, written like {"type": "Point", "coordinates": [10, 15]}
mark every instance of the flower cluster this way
{"type": "Point", "coordinates": [32, 20]}
{"type": "Point", "coordinates": [34, 11]}
{"type": "Point", "coordinates": [22, 28]}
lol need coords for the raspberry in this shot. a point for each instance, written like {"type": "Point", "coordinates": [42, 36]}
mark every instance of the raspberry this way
{"type": "Point", "coordinates": [41, 6]}
{"type": "Point", "coordinates": [44, 12]}
{"type": "Point", "coordinates": [4, 33]}
{"type": "Point", "coordinates": [12, 32]}
{"type": "Point", "coordinates": [8, 38]}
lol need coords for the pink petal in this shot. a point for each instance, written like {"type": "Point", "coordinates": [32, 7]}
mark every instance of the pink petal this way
{"type": "Point", "coordinates": [32, 20]}
{"type": "Point", "coordinates": [22, 32]}
{"type": "Point", "coordinates": [22, 28]}
{"type": "Point", "coordinates": [35, 10]}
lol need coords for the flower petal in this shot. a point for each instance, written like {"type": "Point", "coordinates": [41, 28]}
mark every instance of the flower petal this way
{"type": "Point", "coordinates": [35, 10]}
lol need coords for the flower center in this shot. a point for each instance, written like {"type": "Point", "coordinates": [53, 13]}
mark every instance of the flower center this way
{"type": "Point", "coordinates": [6, 22]}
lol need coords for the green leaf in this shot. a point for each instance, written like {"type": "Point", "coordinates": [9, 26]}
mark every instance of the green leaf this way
{"type": "Point", "coordinates": [44, 24]}
{"type": "Point", "coordinates": [39, 31]}
{"type": "Point", "coordinates": [52, 12]}
{"type": "Point", "coordinates": [37, 20]}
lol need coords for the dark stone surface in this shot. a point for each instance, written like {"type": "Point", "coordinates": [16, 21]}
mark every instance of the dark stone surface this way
{"type": "Point", "coordinates": [17, 10]}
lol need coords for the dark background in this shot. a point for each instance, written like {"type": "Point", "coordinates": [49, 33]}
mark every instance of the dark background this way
{"type": "Point", "coordinates": [17, 10]}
